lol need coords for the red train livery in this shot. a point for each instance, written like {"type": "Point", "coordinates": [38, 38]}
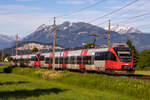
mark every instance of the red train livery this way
{"type": "Point", "coordinates": [116, 59]}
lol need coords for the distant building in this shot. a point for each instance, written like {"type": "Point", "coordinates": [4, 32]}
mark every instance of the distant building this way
{"type": "Point", "coordinates": [40, 46]}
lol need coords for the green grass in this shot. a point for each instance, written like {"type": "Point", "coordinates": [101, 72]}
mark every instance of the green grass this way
{"type": "Point", "coordinates": [44, 84]}
{"type": "Point", "coordinates": [28, 88]}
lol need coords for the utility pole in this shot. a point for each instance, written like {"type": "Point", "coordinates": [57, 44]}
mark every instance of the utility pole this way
{"type": "Point", "coordinates": [50, 46]}
{"type": "Point", "coordinates": [2, 55]}
{"type": "Point", "coordinates": [16, 45]}
{"type": "Point", "coordinates": [109, 43]}
{"type": "Point", "coordinates": [54, 30]}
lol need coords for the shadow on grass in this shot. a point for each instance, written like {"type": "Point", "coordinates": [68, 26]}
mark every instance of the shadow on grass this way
{"type": "Point", "coordinates": [29, 93]}
{"type": "Point", "coordinates": [8, 69]}
{"type": "Point", "coordinates": [11, 83]}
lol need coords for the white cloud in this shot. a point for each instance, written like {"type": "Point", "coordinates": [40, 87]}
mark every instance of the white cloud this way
{"type": "Point", "coordinates": [27, 23]}
{"type": "Point", "coordinates": [20, 18]}
{"type": "Point", "coordinates": [17, 9]}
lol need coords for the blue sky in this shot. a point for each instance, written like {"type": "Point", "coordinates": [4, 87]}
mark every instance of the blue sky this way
{"type": "Point", "coordinates": [24, 16]}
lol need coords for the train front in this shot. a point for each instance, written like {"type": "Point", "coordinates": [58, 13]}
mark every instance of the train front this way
{"type": "Point", "coordinates": [125, 59]}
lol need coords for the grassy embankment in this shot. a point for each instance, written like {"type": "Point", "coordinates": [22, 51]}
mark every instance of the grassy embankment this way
{"type": "Point", "coordinates": [30, 83]}
{"type": "Point", "coordinates": [144, 71]}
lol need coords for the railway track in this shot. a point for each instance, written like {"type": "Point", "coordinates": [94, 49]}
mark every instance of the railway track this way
{"type": "Point", "coordinates": [139, 76]}
{"type": "Point", "coordinates": [135, 76]}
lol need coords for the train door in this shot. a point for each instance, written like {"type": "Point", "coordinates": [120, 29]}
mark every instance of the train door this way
{"type": "Point", "coordinates": [28, 60]}
{"type": "Point", "coordinates": [82, 66]}
{"type": "Point", "coordinates": [33, 61]}
{"type": "Point", "coordinates": [51, 60]}
{"type": "Point", "coordinates": [41, 60]}
{"type": "Point", "coordinates": [99, 61]}
{"type": "Point", "coordinates": [37, 61]}
{"type": "Point", "coordinates": [65, 59]}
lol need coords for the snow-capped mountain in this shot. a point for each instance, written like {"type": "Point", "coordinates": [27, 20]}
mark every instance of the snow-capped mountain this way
{"type": "Point", "coordinates": [77, 34]}
{"type": "Point", "coordinates": [43, 26]}
{"type": "Point", "coordinates": [123, 29]}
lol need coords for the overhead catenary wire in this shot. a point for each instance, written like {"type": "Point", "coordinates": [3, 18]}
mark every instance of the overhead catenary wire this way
{"type": "Point", "coordinates": [113, 11]}
{"type": "Point", "coordinates": [105, 14]}
{"type": "Point", "coordinates": [82, 9]}
{"type": "Point", "coordinates": [137, 16]}
{"type": "Point", "coordinates": [115, 17]}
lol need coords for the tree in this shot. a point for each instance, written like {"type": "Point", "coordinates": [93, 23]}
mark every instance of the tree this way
{"type": "Point", "coordinates": [134, 51]}
{"type": "Point", "coordinates": [89, 45]}
{"type": "Point", "coordinates": [34, 50]}
{"type": "Point", "coordinates": [144, 59]}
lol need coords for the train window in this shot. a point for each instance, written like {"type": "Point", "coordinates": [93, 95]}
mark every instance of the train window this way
{"type": "Point", "coordinates": [28, 59]}
{"type": "Point", "coordinates": [21, 59]}
{"type": "Point", "coordinates": [85, 59]}
{"type": "Point", "coordinates": [111, 56]}
{"type": "Point", "coordinates": [61, 60]}
{"type": "Point", "coordinates": [89, 60]}
{"type": "Point", "coordinates": [47, 60]}
{"type": "Point", "coordinates": [72, 58]}
{"type": "Point", "coordinates": [92, 59]}
{"type": "Point", "coordinates": [41, 58]}
{"type": "Point", "coordinates": [75, 59]}
{"type": "Point", "coordinates": [66, 60]}
{"type": "Point", "coordinates": [104, 56]}
{"type": "Point", "coordinates": [33, 58]}
{"type": "Point", "coordinates": [56, 60]}
{"type": "Point", "coordinates": [36, 59]}
{"type": "Point", "coordinates": [38, 55]}
{"type": "Point", "coordinates": [99, 55]}
{"type": "Point", "coordinates": [51, 60]}
{"type": "Point", "coordinates": [79, 59]}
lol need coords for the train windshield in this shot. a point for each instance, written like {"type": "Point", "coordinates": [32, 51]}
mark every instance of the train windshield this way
{"type": "Point", "coordinates": [124, 54]}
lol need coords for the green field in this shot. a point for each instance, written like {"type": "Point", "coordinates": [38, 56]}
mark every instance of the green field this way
{"type": "Point", "coordinates": [45, 84]}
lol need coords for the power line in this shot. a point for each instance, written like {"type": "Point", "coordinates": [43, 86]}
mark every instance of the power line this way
{"type": "Point", "coordinates": [114, 17]}
{"type": "Point", "coordinates": [82, 9]}
{"type": "Point", "coordinates": [141, 15]}
{"type": "Point", "coordinates": [102, 22]}
{"type": "Point", "coordinates": [113, 11]}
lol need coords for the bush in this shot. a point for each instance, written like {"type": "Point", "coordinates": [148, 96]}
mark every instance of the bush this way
{"type": "Point", "coordinates": [8, 69]}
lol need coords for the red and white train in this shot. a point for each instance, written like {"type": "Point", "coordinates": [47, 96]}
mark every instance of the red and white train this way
{"type": "Point", "coordinates": [116, 59]}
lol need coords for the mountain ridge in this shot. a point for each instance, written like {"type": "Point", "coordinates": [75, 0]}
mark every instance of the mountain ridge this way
{"type": "Point", "coordinates": [75, 34]}
{"type": "Point", "coordinates": [124, 29]}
